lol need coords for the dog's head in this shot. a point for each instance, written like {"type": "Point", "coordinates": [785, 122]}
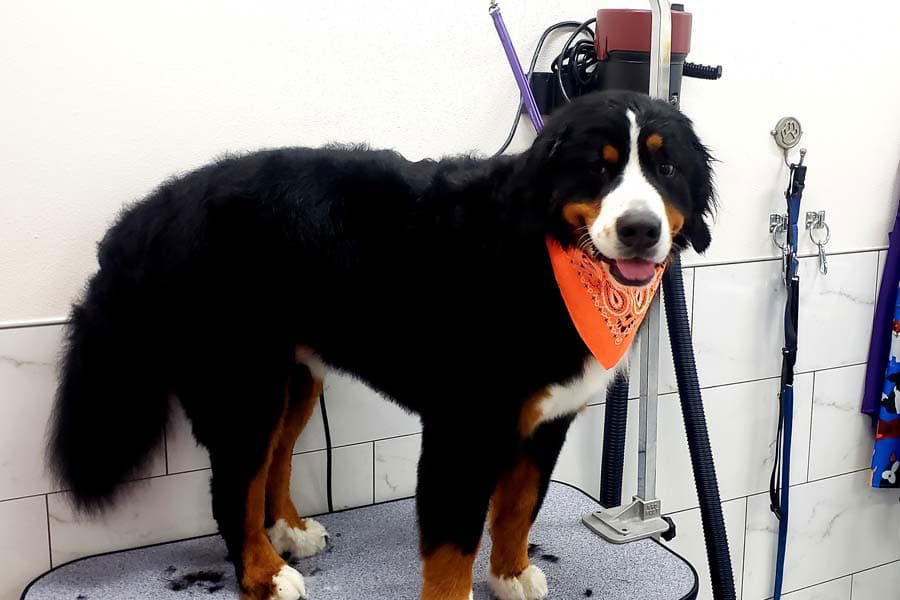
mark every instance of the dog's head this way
{"type": "Point", "coordinates": [627, 180]}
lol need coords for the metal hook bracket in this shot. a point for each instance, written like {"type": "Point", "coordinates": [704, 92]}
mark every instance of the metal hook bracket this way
{"type": "Point", "coordinates": [815, 222]}
{"type": "Point", "coordinates": [787, 134]}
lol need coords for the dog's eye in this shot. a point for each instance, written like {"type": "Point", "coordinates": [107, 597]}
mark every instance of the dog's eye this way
{"type": "Point", "coordinates": [666, 169]}
{"type": "Point", "coordinates": [599, 169]}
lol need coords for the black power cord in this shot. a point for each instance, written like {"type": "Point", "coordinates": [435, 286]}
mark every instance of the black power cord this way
{"type": "Point", "coordinates": [328, 464]}
{"type": "Point", "coordinates": [534, 59]}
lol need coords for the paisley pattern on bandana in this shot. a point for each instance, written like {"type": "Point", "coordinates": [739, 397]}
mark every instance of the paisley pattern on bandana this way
{"type": "Point", "coordinates": [606, 313]}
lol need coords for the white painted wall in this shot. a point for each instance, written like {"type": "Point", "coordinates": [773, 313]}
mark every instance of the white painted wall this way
{"type": "Point", "coordinates": [102, 100]}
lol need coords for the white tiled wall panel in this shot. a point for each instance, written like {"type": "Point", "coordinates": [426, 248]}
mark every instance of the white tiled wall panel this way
{"type": "Point", "coordinates": [841, 530]}
{"type": "Point", "coordinates": [364, 415]}
{"type": "Point", "coordinates": [667, 381]}
{"type": "Point", "coordinates": [834, 323]}
{"type": "Point", "coordinates": [742, 420]}
{"type": "Point", "coordinates": [837, 526]}
{"type": "Point", "coordinates": [353, 472]}
{"type": "Point", "coordinates": [879, 583]}
{"type": "Point", "coordinates": [24, 545]}
{"type": "Point", "coordinates": [151, 511]}
{"type": "Point", "coordinates": [27, 384]}
{"type": "Point", "coordinates": [689, 542]}
{"type": "Point", "coordinates": [396, 462]}
{"type": "Point", "coordinates": [579, 461]}
{"type": "Point", "coordinates": [185, 454]}
{"type": "Point", "coordinates": [738, 322]}
{"type": "Point", "coordinates": [836, 319]}
{"type": "Point", "coordinates": [842, 436]}
{"type": "Point", "coordinates": [839, 589]}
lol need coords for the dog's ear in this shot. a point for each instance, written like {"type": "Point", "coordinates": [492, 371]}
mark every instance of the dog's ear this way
{"type": "Point", "coordinates": [695, 233]}
{"type": "Point", "coordinates": [703, 198]}
{"type": "Point", "coordinates": [547, 145]}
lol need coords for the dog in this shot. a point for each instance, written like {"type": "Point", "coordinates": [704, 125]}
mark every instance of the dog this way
{"type": "Point", "coordinates": [234, 287]}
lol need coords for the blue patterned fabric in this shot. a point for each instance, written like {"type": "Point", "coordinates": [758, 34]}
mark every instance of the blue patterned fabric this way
{"type": "Point", "coordinates": [886, 458]}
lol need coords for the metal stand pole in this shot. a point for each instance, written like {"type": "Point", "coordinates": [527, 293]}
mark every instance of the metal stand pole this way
{"type": "Point", "coordinates": [643, 516]}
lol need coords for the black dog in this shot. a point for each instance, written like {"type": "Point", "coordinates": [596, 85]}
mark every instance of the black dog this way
{"type": "Point", "coordinates": [430, 281]}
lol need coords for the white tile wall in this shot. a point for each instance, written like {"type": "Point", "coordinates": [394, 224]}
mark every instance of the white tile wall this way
{"type": "Point", "coordinates": [154, 510]}
{"type": "Point", "coordinates": [396, 461]}
{"type": "Point", "coordinates": [353, 479]}
{"type": "Point", "coordinates": [837, 526]}
{"type": "Point", "coordinates": [24, 545]}
{"type": "Point", "coordinates": [841, 529]}
{"type": "Point", "coordinates": [579, 461]}
{"type": "Point", "coordinates": [842, 436]}
{"type": "Point", "coordinates": [742, 420]}
{"type": "Point", "coordinates": [879, 583]}
{"type": "Point", "coordinates": [689, 542]}
{"type": "Point", "coordinates": [839, 589]}
{"type": "Point", "coordinates": [738, 322]}
{"type": "Point", "coordinates": [836, 320]}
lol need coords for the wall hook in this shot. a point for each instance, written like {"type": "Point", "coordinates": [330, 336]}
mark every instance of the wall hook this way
{"type": "Point", "coordinates": [787, 134]}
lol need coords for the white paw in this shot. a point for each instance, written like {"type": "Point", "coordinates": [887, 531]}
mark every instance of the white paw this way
{"type": "Point", "coordinates": [297, 542]}
{"type": "Point", "coordinates": [288, 584]}
{"type": "Point", "coordinates": [531, 584]}
{"type": "Point", "coordinates": [534, 583]}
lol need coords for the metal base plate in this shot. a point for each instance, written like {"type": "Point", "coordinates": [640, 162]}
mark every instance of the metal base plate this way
{"type": "Point", "coordinates": [622, 524]}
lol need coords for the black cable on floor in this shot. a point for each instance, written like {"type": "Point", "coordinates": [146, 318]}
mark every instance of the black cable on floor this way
{"type": "Point", "coordinates": [327, 451]}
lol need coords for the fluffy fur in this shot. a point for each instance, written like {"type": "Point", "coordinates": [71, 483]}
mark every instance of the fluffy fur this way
{"type": "Point", "coordinates": [427, 280]}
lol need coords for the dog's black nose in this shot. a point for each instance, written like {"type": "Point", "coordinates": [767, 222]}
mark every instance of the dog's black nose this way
{"type": "Point", "coordinates": [638, 229]}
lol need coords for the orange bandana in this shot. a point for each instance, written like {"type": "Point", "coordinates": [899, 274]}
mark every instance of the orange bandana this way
{"type": "Point", "coordinates": [605, 312]}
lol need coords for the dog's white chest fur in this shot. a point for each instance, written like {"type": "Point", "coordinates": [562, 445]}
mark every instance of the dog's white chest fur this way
{"type": "Point", "coordinates": [571, 397]}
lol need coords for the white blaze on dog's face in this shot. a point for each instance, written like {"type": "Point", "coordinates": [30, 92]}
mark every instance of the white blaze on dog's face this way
{"type": "Point", "coordinates": [629, 180]}
{"type": "Point", "coordinates": [632, 228]}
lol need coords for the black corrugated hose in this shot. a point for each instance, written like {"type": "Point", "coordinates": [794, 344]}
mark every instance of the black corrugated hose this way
{"type": "Point", "coordinates": [717, 552]}
{"type": "Point", "coordinates": [615, 424]}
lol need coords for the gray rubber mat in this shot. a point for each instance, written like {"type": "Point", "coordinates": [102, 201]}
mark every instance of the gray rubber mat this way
{"type": "Point", "coordinates": [373, 555]}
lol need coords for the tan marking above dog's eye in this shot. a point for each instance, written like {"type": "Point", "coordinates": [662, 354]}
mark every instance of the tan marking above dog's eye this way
{"type": "Point", "coordinates": [654, 142]}
{"type": "Point", "coordinates": [610, 154]}
{"type": "Point", "coordinates": [581, 214]}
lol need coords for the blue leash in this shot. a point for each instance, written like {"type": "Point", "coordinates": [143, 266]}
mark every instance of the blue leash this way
{"type": "Point", "coordinates": [780, 498]}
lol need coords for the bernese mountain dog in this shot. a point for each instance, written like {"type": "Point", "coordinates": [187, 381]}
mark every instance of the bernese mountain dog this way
{"type": "Point", "coordinates": [234, 287]}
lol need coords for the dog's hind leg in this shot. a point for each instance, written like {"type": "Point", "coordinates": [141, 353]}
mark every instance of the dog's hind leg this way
{"type": "Point", "coordinates": [288, 532]}
{"type": "Point", "coordinates": [241, 427]}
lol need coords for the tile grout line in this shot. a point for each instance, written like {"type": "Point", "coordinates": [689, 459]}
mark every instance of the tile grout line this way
{"type": "Point", "coordinates": [812, 405]}
{"type": "Point", "coordinates": [693, 300]}
{"type": "Point", "coordinates": [166, 446]}
{"type": "Point", "coordinates": [760, 493]}
{"type": "Point", "coordinates": [49, 538]}
{"type": "Point", "coordinates": [744, 552]}
{"type": "Point", "coordinates": [839, 577]}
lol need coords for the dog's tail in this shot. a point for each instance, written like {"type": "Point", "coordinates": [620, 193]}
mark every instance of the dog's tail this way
{"type": "Point", "coordinates": [112, 401]}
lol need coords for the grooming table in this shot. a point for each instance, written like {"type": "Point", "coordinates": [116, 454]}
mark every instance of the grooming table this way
{"type": "Point", "coordinates": [373, 555]}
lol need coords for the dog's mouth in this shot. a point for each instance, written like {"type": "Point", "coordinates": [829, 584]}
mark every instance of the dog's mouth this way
{"type": "Point", "coordinates": [634, 271]}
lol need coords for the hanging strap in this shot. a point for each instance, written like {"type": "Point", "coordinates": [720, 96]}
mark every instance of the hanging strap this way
{"type": "Point", "coordinates": [780, 481]}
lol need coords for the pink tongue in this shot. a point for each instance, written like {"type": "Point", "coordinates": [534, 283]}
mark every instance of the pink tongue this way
{"type": "Point", "coordinates": [635, 269]}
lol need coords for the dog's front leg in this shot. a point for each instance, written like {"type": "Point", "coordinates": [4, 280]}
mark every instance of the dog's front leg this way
{"type": "Point", "coordinates": [457, 474]}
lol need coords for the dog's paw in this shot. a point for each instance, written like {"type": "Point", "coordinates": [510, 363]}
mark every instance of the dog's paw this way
{"type": "Point", "coordinates": [531, 584]}
{"type": "Point", "coordinates": [288, 585]}
{"type": "Point", "coordinates": [298, 542]}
